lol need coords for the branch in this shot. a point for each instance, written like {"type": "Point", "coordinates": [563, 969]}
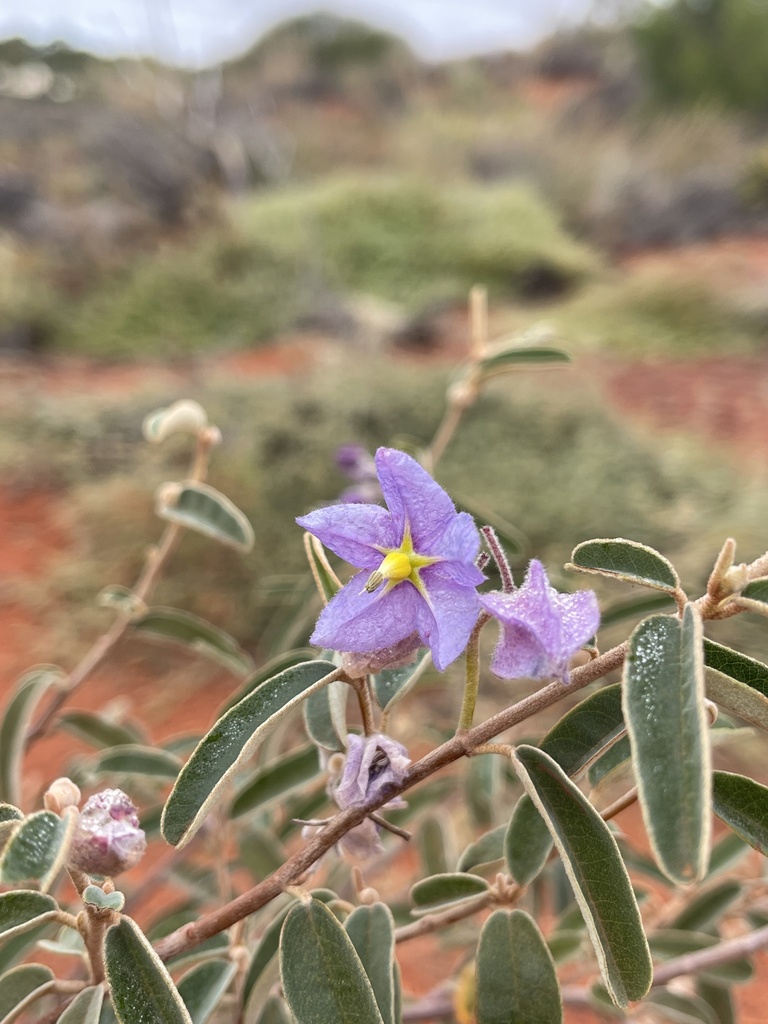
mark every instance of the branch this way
{"type": "Point", "coordinates": [722, 953]}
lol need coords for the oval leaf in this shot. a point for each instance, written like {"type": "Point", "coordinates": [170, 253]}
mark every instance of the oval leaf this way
{"type": "Point", "coordinates": [737, 698]}
{"type": "Point", "coordinates": [736, 665]}
{"type": "Point", "coordinates": [175, 626]}
{"type": "Point", "coordinates": [585, 730]}
{"type": "Point", "coordinates": [719, 998]}
{"type": "Point", "coordinates": [99, 731]}
{"type": "Point", "coordinates": [325, 716]}
{"type": "Point", "coordinates": [742, 804]}
{"type": "Point", "coordinates": [527, 842]}
{"type": "Point", "coordinates": [9, 813]}
{"type": "Point", "coordinates": [94, 896]}
{"type": "Point", "coordinates": [15, 721]}
{"type": "Point", "coordinates": [516, 979]}
{"type": "Point", "coordinates": [680, 1009]}
{"type": "Point", "coordinates": [391, 685]}
{"type": "Point", "coordinates": [668, 731]}
{"type": "Point", "coordinates": [754, 596]}
{"type": "Point", "coordinates": [596, 872]}
{"type": "Point", "coordinates": [20, 983]}
{"type": "Point", "coordinates": [434, 840]}
{"type": "Point", "coordinates": [140, 986]}
{"type": "Point", "coordinates": [276, 779]}
{"type": "Point", "coordinates": [185, 416]}
{"type": "Point", "coordinates": [485, 850]}
{"type": "Point", "coordinates": [202, 987]}
{"type": "Point", "coordinates": [133, 759]}
{"type": "Point", "coordinates": [202, 508]}
{"type": "Point", "coordinates": [625, 560]}
{"type": "Point", "coordinates": [322, 976]}
{"type": "Point", "coordinates": [706, 908]}
{"type": "Point", "coordinates": [272, 668]}
{"type": "Point", "coordinates": [231, 741]}
{"type": "Point", "coordinates": [372, 931]}
{"type": "Point", "coordinates": [510, 358]}
{"type": "Point", "coordinates": [23, 909]}
{"type": "Point", "coordinates": [38, 848]}
{"type": "Point", "coordinates": [439, 890]}
{"type": "Point", "coordinates": [85, 1008]}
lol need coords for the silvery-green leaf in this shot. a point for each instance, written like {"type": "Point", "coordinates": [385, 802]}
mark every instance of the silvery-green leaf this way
{"type": "Point", "coordinates": [14, 723]}
{"type": "Point", "coordinates": [618, 754]}
{"type": "Point", "coordinates": [738, 698]}
{"type": "Point", "coordinates": [231, 741]}
{"type": "Point", "coordinates": [200, 507]}
{"type": "Point", "coordinates": [730, 849]}
{"type": "Point", "coordinates": [38, 849]}
{"type": "Point", "coordinates": [754, 596]}
{"type": "Point", "coordinates": [442, 890]}
{"type": "Point", "coordinates": [670, 944]}
{"type": "Point", "coordinates": [134, 759]}
{"type": "Point", "coordinates": [10, 813]}
{"type": "Point", "coordinates": [276, 780]}
{"type": "Point", "coordinates": [595, 723]}
{"type": "Point", "coordinates": [488, 848]}
{"type": "Point", "coordinates": [261, 852]}
{"type": "Point", "coordinates": [175, 626]}
{"type": "Point", "coordinates": [433, 843]}
{"type": "Point", "coordinates": [273, 668]}
{"type": "Point", "coordinates": [742, 804]}
{"type": "Point", "coordinates": [94, 896]}
{"type": "Point", "coordinates": [506, 359]}
{"type": "Point", "coordinates": [596, 872]}
{"type": "Point", "coordinates": [680, 1009]}
{"type": "Point", "coordinates": [707, 907]}
{"type": "Point", "coordinates": [18, 984]}
{"type": "Point", "coordinates": [323, 979]}
{"type": "Point", "coordinates": [483, 780]}
{"type": "Point", "coordinates": [719, 998]}
{"type": "Point", "coordinates": [99, 731]}
{"type": "Point", "coordinates": [140, 986]}
{"type": "Point", "coordinates": [184, 416]}
{"type": "Point", "coordinates": [23, 909]}
{"type": "Point", "coordinates": [564, 944]}
{"type": "Point", "coordinates": [67, 942]}
{"type": "Point", "coordinates": [122, 599]}
{"type": "Point", "coordinates": [274, 1012]}
{"type": "Point", "coordinates": [372, 931]}
{"type": "Point", "coordinates": [668, 730]}
{"type": "Point", "coordinates": [392, 684]}
{"type": "Point", "coordinates": [527, 842]}
{"type": "Point", "coordinates": [19, 945]}
{"type": "Point", "coordinates": [625, 560]}
{"type": "Point", "coordinates": [325, 716]}
{"type": "Point", "coordinates": [202, 987]}
{"type": "Point", "coordinates": [516, 979]}
{"type": "Point", "coordinates": [85, 1008]}
{"type": "Point", "coordinates": [736, 665]}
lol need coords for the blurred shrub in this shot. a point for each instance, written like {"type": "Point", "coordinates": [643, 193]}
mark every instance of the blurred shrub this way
{"type": "Point", "coordinates": [707, 51]}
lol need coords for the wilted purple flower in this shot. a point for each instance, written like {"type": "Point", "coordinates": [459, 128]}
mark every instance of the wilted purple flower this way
{"type": "Point", "coordinates": [540, 628]}
{"type": "Point", "coordinates": [418, 557]}
{"type": "Point", "coordinates": [373, 764]}
{"type": "Point", "coordinates": [359, 465]}
{"type": "Point", "coordinates": [108, 839]}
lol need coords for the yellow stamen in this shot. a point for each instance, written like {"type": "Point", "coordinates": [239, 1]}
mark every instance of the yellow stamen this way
{"type": "Point", "coordinates": [400, 564]}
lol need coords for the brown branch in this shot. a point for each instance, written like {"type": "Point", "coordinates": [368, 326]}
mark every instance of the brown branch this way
{"type": "Point", "coordinates": [452, 750]}
{"type": "Point", "coordinates": [434, 922]}
{"type": "Point", "coordinates": [722, 953]}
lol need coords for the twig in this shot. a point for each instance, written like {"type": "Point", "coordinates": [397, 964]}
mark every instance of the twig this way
{"type": "Point", "coordinates": [403, 833]}
{"type": "Point", "coordinates": [452, 915]}
{"type": "Point", "coordinates": [715, 956]}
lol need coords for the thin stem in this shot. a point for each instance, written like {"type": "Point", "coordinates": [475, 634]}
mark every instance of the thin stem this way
{"type": "Point", "coordinates": [363, 691]}
{"type": "Point", "coordinates": [472, 680]}
{"type": "Point", "coordinates": [403, 833]}
{"type": "Point", "coordinates": [499, 557]}
{"type": "Point", "coordinates": [619, 805]}
{"type": "Point", "coordinates": [715, 956]}
{"type": "Point", "coordinates": [434, 922]}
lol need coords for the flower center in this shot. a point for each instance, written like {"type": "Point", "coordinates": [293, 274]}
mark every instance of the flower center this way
{"type": "Point", "coordinates": [400, 564]}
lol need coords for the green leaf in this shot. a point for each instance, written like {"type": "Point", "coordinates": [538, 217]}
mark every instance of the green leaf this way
{"type": "Point", "coordinates": [529, 355]}
{"type": "Point", "coordinates": [261, 852]}
{"type": "Point", "coordinates": [18, 984]}
{"type": "Point", "coordinates": [14, 723]}
{"type": "Point", "coordinates": [391, 685]}
{"type": "Point", "coordinates": [433, 845]}
{"type": "Point", "coordinates": [527, 842]}
{"type": "Point", "coordinates": [276, 780]}
{"type": "Point", "coordinates": [625, 560]}
{"type": "Point", "coordinates": [736, 665]}
{"type": "Point", "coordinates": [719, 998]}
{"type": "Point", "coordinates": [585, 730]}
{"type": "Point", "coordinates": [98, 731]}
{"type": "Point", "coordinates": [730, 849]}
{"type": "Point", "coordinates": [668, 730]}
{"type": "Point", "coordinates": [754, 596]}
{"type": "Point", "coordinates": [133, 759]}
{"type": "Point", "coordinates": [23, 909]}
{"type": "Point", "coordinates": [670, 944]}
{"type": "Point", "coordinates": [94, 896]}
{"type": "Point", "coordinates": [516, 979]}
{"type": "Point", "coordinates": [440, 890]}
{"type": "Point", "coordinates": [372, 931]}
{"type": "Point", "coordinates": [488, 848]}
{"type": "Point", "coordinates": [596, 872]}
{"type": "Point", "coordinates": [85, 1008]}
{"type": "Point", "coordinates": [323, 575]}
{"type": "Point", "coordinates": [679, 1009]}
{"type": "Point", "coordinates": [742, 804]}
{"type": "Point", "coordinates": [274, 1012]}
{"type": "Point", "coordinates": [273, 668]}
{"type": "Point", "coordinates": [183, 417]}
{"type": "Point", "coordinates": [202, 987]}
{"type": "Point", "coordinates": [200, 507]}
{"type": "Point", "coordinates": [10, 813]}
{"type": "Point", "coordinates": [140, 986]}
{"type": "Point", "coordinates": [565, 944]}
{"type": "Point", "coordinates": [323, 979]}
{"type": "Point", "coordinates": [174, 626]}
{"type": "Point", "coordinates": [38, 849]}
{"type": "Point", "coordinates": [231, 741]}
{"type": "Point", "coordinates": [122, 599]}
{"type": "Point", "coordinates": [325, 716]}
{"type": "Point", "coordinates": [737, 698]}
{"type": "Point", "coordinates": [707, 907]}
{"type": "Point", "coordinates": [617, 754]}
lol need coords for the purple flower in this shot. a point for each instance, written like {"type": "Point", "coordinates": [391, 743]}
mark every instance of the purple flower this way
{"type": "Point", "coordinates": [540, 628]}
{"type": "Point", "coordinates": [358, 464]}
{"type": "Point", "coordinates": [418, 557]}
{"type": "Point", "coordinates": [108, 839]}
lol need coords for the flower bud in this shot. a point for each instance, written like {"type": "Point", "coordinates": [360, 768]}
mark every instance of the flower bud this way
{"type": "Point", "coordinates": [61, 794]}
{"type": "Point", "coordinates": [108, 839]}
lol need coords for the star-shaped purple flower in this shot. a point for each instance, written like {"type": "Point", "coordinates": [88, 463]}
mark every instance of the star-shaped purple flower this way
{"type": "Point", "coordinates": [540, 628]}
{"type": "Point", "coordinates": [418, 560]}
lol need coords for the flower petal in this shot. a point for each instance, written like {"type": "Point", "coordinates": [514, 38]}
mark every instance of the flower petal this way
{"type": "Point", "coordinates": [459, 545]}
{"type": "Point", "coordinates": [413, 498]}
{"type": "Point", "coordinates": [579, 616]}
{"type": "Point", "coordinates": [519, 654]}
{"type": "Point", "coordinates": [352, 531]}
{"type": "Point", "coordinates": [445, 623]}
{"type": "Point", "coordinates": [355, 620]}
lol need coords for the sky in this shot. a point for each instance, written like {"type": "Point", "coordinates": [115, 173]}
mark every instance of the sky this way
{"type": "Point", "coordinates": [200, 32]}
